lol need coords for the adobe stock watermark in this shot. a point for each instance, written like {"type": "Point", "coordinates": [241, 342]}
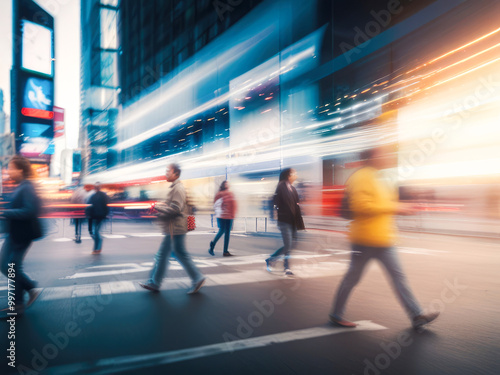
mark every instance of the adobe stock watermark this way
{"type": "Point", "coordinates": [222, 7]}
{"type": "Point", "coordinates": [54, 6]}
{"type": "Point", "coordinates": [264, 309]}
{"type": "Point", "coordinates": [456, 116]}
{"type": "Point", "coordinates": [381, 20]}
{"type": "Point", "coordinates": [391, 351]}
{"type": "Point", "coordinates": [247, 151]}
{"type": "Point", "coordinates": [255, 319]}
{"type": "Point", "coordinates": [86, 312]}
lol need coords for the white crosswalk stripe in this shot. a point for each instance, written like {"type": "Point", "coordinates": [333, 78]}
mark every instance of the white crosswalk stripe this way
{"type": "Point", "coordinates": [213, 280]}
{"type": "Point", "coordinates": [127, 268]}
{"type": "Point", "coordinates": [142, 362]}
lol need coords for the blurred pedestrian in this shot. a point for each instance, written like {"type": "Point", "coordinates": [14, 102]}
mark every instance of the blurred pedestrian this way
{"type": "Point", "coordinates": [79, 196]}
{"type": "Point", "coordinates": [286, 201]}
{"type": "Point", "coordinates": [22, 215]}
{"type": "Point", "coordinates": [98, 211]}
{"type": "Point", "coordinates": [373, 205]}
{"type": "Point", "coordinates": [90, 191]}
{"type": "Point", "coordinates": [225, 211]}
{"type": "Point", "coordinates": [173, 218]}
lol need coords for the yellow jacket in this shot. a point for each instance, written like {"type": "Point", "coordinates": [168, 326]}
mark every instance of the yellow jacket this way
{"type": "Point", "coordinates": [373, 206]}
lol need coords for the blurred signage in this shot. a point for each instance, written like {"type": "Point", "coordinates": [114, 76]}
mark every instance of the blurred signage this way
{"type": "Point", "coordinates": [41, 170]}
{"type": "Point", "coordinates": [37, 50]}
{"type": "Point", "coordinates": [58, 122]}
{"type": "Point", "coordinates": [37, 141]}
{"type": "Point", "coordinates": [38, 95]}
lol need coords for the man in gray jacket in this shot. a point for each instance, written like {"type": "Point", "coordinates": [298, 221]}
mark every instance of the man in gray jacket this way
{"type": "Point", "coordinates": [173, 217]}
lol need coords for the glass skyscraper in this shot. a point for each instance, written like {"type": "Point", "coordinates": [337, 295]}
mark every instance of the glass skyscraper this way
{"type": "Point", "coordinates": [99, 84]}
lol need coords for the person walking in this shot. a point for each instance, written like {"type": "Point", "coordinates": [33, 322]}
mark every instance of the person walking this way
{"type": "Point", "coordinates": [290, 219]}
{"type": "Point", "coordinates": [225, 210]}
{"type": "Point", "coordinates": [98, 211]}
{"type": "Point", "coordinates": [90, 192]}
{"type": "Point", "coordinates": [173, 218]}
{"type": "Point", "coordinates": [372, 235]}
{"type": "Point", "coordinates": [22, 215]}
{"type": "Point", "coordinates": [79, 196]}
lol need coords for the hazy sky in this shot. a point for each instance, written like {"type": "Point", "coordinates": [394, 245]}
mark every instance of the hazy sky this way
{"type": "Point", "coordinates": [67, 53]}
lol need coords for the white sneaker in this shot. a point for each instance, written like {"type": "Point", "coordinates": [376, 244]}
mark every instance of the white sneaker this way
{"type": "Point", "coordinates": [197, 286]}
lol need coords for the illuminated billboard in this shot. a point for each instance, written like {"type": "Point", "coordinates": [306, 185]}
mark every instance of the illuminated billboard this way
{"type": "Point", "coordinates": [37, 141]}
{"type": "Point", "coordinates": [58, 122]}
{"type": "Point", "coordinates": [38, 97]}
{"type": "Point", "coordinates": [37, 50]}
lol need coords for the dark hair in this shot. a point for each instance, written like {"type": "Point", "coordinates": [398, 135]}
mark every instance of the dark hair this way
{"type": "Point", "coordinates": [368, 154]}
{"type": "Point", "coordinates": [22, 163]}
{"type": "Point", "coordinates": [223, 186]}
{"type": "Point", "coordinates": [285, 174]}
{"type": "Point", "coordinates": [176, 169]}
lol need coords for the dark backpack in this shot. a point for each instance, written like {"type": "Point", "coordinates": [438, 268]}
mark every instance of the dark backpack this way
{"type": "Point", "coordinates": [345, 211]}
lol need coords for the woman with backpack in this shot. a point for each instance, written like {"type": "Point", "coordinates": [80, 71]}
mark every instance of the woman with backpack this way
{"type": "Point", "coordinates": [225, 210]}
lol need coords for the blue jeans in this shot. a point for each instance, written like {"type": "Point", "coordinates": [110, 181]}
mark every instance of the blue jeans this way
{"type": "Point", "coordinates": [14, 252]}
{"type": "Point", "coordinates": [225, 226]}
{"type": "Point", "coordinates": [388, 257]}
{"type": "Point", "coordinates": [289, 234]}
{"type": "Point", "coordinates": [78, 229]}
{"type": "Point", "coordinates": [161, 260]}
{"type": "Point", "coordinates": [97, 233]}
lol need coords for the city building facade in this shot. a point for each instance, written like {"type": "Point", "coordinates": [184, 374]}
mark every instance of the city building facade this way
{"type": "Point", "coordinates": [3, 116]}
{"type": "Point", "coordinates": [99, 84]}
{"type": "Point", "coordinates": [303, 84]}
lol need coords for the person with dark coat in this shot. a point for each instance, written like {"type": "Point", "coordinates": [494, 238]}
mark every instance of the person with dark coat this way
{"type": "Point", "coordinates": [290, 219]}
{"type": "Point", "coordinates": [225, 211]}
{"type": "Point", "coordinates": [98, 211]}
{"type": "Point", "coordinates": [24, 226]}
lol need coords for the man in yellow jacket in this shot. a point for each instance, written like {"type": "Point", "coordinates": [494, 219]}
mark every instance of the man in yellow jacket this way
{"type": "Point", "coordinates": [372, 235]}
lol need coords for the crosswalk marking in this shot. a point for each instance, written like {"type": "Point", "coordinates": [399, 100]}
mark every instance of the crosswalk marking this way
{"type": "Point", "coordinates": [114, 236]}
{"type": "Point", "coordinates": [221, 279]}
{"type": "Point", "coordinates": [141, 235]}
{"type": "Point", "coordinates": [127, 268]}
{"type": "Point", "coordinates": [142, 362]}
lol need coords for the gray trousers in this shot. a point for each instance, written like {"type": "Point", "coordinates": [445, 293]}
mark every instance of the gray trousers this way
{"type": "Point", "coordinates": [389, 259]}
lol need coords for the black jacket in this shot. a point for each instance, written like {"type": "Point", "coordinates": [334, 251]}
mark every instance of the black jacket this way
{"type": "Point", "coordinates": [98, 208]}
{"type": "Point", "coordinates": [287, 203]}
{"type": "Point", "coordinates": [22, 213]}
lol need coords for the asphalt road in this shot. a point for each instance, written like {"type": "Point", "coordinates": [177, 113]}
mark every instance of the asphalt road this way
{"type": "Point", "coordinates": [92, 317]}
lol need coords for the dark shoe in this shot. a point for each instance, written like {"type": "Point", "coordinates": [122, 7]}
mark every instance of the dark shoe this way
{"type": "Point", "coordinates": [33, 295]}
{"type": "Point", "coordinates": [288, 272]}
{"type": "Point", "coordinates": [197, 286]}
{"type": "Point", "coordinates": [269, 265]}
{"type": "Point", "coordinates": [342, 322]}
{"type": "Point", "coordinates": [211, 250]}
{"type": "Point", "coordinates": [227, 254]}
{"type": "Point", "coordinates": [149, 287]}
{"type": "Point", "coordinates": [419, 321]}
{"type": "Point", "coordinates": [78, 241]}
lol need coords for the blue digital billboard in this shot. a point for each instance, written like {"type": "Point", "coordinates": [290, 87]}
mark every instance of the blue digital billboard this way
{"type": "Point", "coordinates": [38, 93]}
